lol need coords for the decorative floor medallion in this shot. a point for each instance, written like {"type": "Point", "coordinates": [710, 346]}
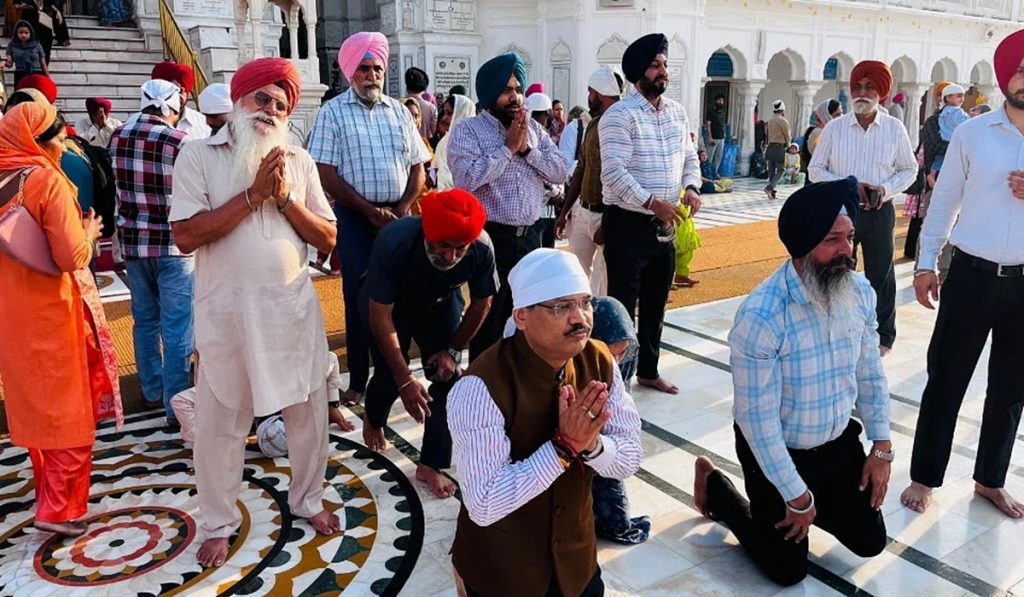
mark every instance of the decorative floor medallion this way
{"type": "Point", "coordinates": [144, 526]}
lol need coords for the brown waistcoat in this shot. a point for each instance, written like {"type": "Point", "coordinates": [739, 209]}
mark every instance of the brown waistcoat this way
{"type": "Point", "coordinates": [552, 534]}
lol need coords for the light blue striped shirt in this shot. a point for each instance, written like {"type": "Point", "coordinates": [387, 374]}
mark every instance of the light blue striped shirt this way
{"type": "Point", "coordinates": [372, 148]}
{"type": "Point", "coordinates": [797, 374]}
{"type": "Point", "coordinates": [646, 151]}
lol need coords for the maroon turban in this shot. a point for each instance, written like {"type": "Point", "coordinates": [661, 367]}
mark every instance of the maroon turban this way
{"type": "Point", "coordinates": [179, 74]}
{"type": "Point", "coordinates": [877, 72]}
{"type": "Point", "coordinates": [1008, 57]}
{"type": "Point", "coordinates": [454, 215]}
{"type": "Point", "coordinates": [267, 71]}
{"type": "Point", "coordinates": [41, 83]}
{"type": "Point", "coordinates": [93, 104]}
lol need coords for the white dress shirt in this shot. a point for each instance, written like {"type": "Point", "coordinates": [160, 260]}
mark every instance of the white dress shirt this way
{"type": "Point", "coordinates": [492, 485]}
{"type": "Point", "coordinates": [568, 141]}
{"type": "Point", "coordinates": [973, 185]}
{"type": "Point", "coordinates": [194, 124]}
{"type": "Point", "coordinates": [880, 155]}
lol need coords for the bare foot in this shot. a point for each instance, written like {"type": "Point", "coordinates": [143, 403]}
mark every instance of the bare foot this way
{"type": "Point", "coordinates": [916, 497]}
{"type": "Point", "coordinates": [704, 468]}
{"type": "Point", "coordinates": [213, 552]}
{"type": "Point", "coordinates": [326, 523]}
{"type": "Point", "coordinates": [1001, 499]}
{"type": "Point", "coordinates": [440, 485]}
{"type": "Point", "coordinates": [335, 417]}
{"type": "Point", "coordinates": [684, 282]}
{"type": "Point", "coordinates": [884, 350]}
{"type": "Point", "coordinates": [66, 529]}
{"type": "Point", "coordinates": [351, 398]}
{"type": "Point", "coordinates": [373, 438]}
{"type": "Point", "coordinates": [659, 384]}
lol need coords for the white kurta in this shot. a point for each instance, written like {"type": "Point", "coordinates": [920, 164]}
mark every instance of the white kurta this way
{"type": "Point", "coordinates": [258, 324]}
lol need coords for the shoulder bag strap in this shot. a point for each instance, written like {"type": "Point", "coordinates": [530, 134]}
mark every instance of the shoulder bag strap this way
{"type": "Point", "coordinates": [4, 185]}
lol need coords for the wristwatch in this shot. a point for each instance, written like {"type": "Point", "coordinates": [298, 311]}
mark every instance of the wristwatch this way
{"type": "Point", "coordinates": [886, 456]}
{"type": "Point", "coordinates": [455, 354]}
{"type": "Point", "coordinates": [588, 456]}
{"type": "Point", "coordinates": [691, 187]}
{"type": "Point", "coordinates": [287, 204]}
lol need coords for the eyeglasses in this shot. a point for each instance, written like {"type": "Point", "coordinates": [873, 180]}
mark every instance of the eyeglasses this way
{"type": "Point", "coordinates": [562, 309]}
{"type": "Point", "coordinates": [262, 99]}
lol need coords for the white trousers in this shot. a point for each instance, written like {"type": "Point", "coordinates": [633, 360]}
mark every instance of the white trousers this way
{"type": "Point", "coordinates": [219, 454]}
{"type": "Point", "coordinates": [582, 227]}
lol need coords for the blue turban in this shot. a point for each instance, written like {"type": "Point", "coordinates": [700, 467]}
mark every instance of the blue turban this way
{"type": "Point", "coordinates": [808, 215]}
{"type": "Point", "coordinates": [492, 78]}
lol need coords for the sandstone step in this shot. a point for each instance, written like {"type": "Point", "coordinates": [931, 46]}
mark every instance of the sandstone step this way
{"type": "Point", "coordinates": [95, 32]}
{"type": "Point", "coordinates": [132, 52]}
{"type": "Point", "coordinates": [99, 79]}
{"type": "Point", "coordinates": [102, 67]}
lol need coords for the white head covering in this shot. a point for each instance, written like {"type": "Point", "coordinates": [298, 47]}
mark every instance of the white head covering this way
{"type": "Point", "coordinates": [778, 106]}
{"type": "Point", "coordinates": [538, 102]}
{"type": "Point", "coordinates": [271, 438]}
{"type": "Point", "coordinates": [215, 99]}
{"type": "Point", "coordinates": [603, 81]}
{"type": "Point", "coordinates": [951, 89]}
{"type": "Point", "coordinates": [464, 108]}
{"type": "Point", "coordinates": [161, 94]}
{"type": "Point", "coordinates": [546, 274]}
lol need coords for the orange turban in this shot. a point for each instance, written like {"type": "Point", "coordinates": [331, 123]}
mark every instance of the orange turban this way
{"type": "Point", "coordinates": [454, 215]}
{"type": "Point", "coordinates": [179, 74]}
{"type": "Point", "coordinates": [877, 72]}
{"type": "Point", "coordinates": [41, 83]}
{"type": "Point", "coordinates": [267, 71]}
{"type": "Point", "coordinates": [940, 87]}
{"type": "Point", "coordinates": [1008, 58]}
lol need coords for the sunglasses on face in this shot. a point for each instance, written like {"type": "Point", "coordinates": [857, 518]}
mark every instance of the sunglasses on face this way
{"type": "Point", "coordinates": [262, 99]}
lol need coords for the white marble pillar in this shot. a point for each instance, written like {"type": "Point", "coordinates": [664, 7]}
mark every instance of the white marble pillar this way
{"type": "Point", "coordinates": [748, 91]}
{"type": "Point", "coordinates": [293, 31]}
{"type": "Point", "coordinates": [912, 111]}
{"type": "Point", "coordinates": [805, 92]}
{"type": "Point", "coordinates": [241, 30]}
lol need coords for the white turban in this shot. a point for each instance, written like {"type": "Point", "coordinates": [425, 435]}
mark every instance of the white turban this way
{"type": "Point", "coordinates": [537, 102]}
{"type": "Point", "coordinates": [546, 274]}
{"type": "Point", "coordinates": [951, 89]}
{"type": "Point", "coordinates": [161, 94]}
{"type": "Point", "coordinates": [215, 99]}
{"type": "Point", "coordinates": [779, 106]}
{"type": "Point", "coordinates": [603, 81]}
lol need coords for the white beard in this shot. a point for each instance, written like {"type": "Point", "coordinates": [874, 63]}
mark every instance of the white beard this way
{"type": "Point", "coordinates": [864, 107]}
{"type": "Point", "coordinates": [838, 299]}
{"type": "Point", "coordinates": [252, 142]}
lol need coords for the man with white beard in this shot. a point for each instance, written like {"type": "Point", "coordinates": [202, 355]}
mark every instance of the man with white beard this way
{"type": "Point", "coordinates": [248, 204]}
{"type": "Point", "coordinates": [874, 148]}
{"type": "Point", "coordinates": [804, 354]}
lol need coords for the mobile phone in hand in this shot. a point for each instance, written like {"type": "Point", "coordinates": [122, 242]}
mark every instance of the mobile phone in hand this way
{"type": "Point", "coordinates": [874, 198]}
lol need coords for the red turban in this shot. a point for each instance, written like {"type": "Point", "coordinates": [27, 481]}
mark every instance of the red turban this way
{"type": "Point", "coordinates": [877, 72]}
{"type": "Point", "coordinates": [179, 74]}
{"type": "Point", "coordinates": [41, 83]}
{"type": "Point", "coordinates": [267, 71]}
{"type": "Point", "coordinates": [1009, 56]}
{"type": "Point", "coordinates": [93, 104]}
{"type": "Point", "coordinates": [454, 215]}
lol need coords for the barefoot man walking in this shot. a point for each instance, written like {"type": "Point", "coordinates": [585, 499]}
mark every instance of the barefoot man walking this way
{"type": "Point", "coordinates": [248, 204]}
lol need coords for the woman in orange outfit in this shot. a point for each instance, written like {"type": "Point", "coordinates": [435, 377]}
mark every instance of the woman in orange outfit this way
{"type": "Point", "coordinates": [56, 352]}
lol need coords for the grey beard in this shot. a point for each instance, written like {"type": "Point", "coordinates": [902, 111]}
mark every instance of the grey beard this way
{"type": "Point", "coordinates": [250, 146]}
{"type": "Point", "coordinates": [832, 292]}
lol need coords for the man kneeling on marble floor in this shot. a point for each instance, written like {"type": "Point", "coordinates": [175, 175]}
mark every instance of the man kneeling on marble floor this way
{"type": "Point", "coordinates": [804, 353]}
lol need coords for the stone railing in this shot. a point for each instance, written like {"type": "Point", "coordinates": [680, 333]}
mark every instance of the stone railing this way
{"type": "Point", "coordinates": [1002, 10]}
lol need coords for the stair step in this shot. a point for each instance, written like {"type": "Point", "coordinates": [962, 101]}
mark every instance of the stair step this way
{"type": "Point", "coordinates": [58, 68]}
{"type": "Point", "coordinates": [104, 33]}
{"type": "Point", "coordinates": [82, 20]}
{"type": "Point", "coordinates": [99, 79]}
{"type": "Point", "coordinates": [107, 90]}
{"type": "Point", "coordinates": [135, 53]}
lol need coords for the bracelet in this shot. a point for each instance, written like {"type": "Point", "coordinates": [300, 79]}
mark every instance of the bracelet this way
{"type": "Point", "coordinates": [803, 510]}
{"type": "Point", "coordinates": [922, 272]}
{"type": "Point", "coordinates": [565, 443]}
{"type": "Point", "coordinates": [287, 204]}
{"type": "Point", "coordinates": [597, 451]}
{"type": "Point", "coordinates": [406, 385]}
{"type": "Point", "coordinates": [247, 202]}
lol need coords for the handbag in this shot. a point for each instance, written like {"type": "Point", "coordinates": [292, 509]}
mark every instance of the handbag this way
{"type": "Point", "coordinates": [21, 237]}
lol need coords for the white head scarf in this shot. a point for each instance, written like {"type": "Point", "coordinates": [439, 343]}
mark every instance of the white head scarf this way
{"type": "Point", "coordinates": [464, 108]}
{"type": "Point", "coordinates": [538, 102]}
{"type": "Point", "coordinates": [163, 95]}
{"type": "Point", "coordinates": [603, 81]}
{"type": "Point", "coordinates": [951, 89]}
{"type": "Point", "coordinates": [215, 99]}
{"type": "Point", "coordinates": [544, 275]}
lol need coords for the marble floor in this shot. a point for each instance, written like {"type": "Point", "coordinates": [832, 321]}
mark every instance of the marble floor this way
{"type": "Point", "coordinates": [961, 546]}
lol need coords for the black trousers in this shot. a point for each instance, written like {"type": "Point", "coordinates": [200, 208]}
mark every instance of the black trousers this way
{"type": "Point", "coordinates": [913, 233]}
{"type": "Point", "coordinates": [973, 303]}
{"type": "Point", "coordinates": [832, 472]}
{"type": "Point", "coordinates": [509, 248]}
{"type": "Point", "coordinates": [640, 268]}
{"type": "Point", "coordinates": [595, 588]}
{"type": "Point", "coordinates": [775, 156]}
{"type": "Point", "coordinates": [875, 238]}
{"type": "Point", "coordinates": [432, 327]}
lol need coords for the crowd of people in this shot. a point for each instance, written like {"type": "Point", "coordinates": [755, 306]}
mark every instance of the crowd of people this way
{"type": "Point", "coordinates": [215, 211]}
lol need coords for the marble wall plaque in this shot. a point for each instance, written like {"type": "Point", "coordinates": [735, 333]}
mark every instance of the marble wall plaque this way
{"type": "Point", "coordinates": [452, 15]}
{"type": "Point", "coordinates": [450, 71]}
{"type": "Point", "coordinates": [204, 8]}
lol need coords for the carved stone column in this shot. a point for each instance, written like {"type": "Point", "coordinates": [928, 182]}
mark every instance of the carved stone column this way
{"type": "Point", "coordinates": [912, 110]}
{"type": "Point", "coordinates": [748, 91]}
{"type": "Point", "coordinates": [805, 92]}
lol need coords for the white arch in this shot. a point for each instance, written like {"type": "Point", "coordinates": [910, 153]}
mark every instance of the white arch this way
{"type": "Point", "coordinates": [611, 50]}
{"type": "Point", "coordinates": [944, 70]}
{"type": "Point", "coordinates": [904, 69]}
{"type": "Point", "coordinates": [739, 61]}
{"type": "Point", "coordinates": [797, 66]}
{"type": "Point", "coordinates": [983, 74]}
{"type": "Point", "coordinates": [845, 65]}
{"type": "Point", "coordinates": [561, 53]}
{"type": "Point", "coordinates": [514, 48]}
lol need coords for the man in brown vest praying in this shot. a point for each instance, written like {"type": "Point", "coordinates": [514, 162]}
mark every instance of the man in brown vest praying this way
{"type": "Point", "coordinates": [535, 417]}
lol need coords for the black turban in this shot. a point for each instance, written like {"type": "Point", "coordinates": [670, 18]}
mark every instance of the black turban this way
{"type": "Point", "coordinates": [640, 54]}
{"type": "Point", "coordinates": [416, 80]}
{"type": "Point", "coordinates": [808, 214]}
{"type": "Point", "coordinates": [458, 90]}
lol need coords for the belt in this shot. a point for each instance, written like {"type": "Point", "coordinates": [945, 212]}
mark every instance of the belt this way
{"type": "Point", "coordinates": [594, 207]}
{"type": "Point", "coordinates": [776, 143]}
{"type": "Point", "coordinates": [991, 267]}
{"type": "Point", "coordinates": [498, 229]}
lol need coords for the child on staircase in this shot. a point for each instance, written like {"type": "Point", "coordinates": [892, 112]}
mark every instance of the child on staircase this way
{"type": "Point", "coordinates": [25, 53]}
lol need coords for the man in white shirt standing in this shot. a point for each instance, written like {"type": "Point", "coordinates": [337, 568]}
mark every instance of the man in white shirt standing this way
{"type": "Point", "coordinates": [980, 199]}
{"type": "Point", "coordinates": [874, 148]}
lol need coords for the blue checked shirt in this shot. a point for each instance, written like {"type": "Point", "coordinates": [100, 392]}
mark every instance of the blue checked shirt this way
{"type": "Point", "coordinates": [797, 376]}
{"type": "Point", "coordinates": [372, 148]}
{"type": "Point", "coordinates": [511, 187]}
{"type": "Point", "coordinates": [646, 151]}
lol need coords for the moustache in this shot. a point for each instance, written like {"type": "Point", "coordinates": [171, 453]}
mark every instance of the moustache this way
{"type": "Point", "coordinates": [841, 261]}
{"type": "Point", "coordinates": [578, 327]}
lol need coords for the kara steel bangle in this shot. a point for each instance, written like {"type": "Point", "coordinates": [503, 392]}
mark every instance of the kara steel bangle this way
{"type": "Point", "coordinates": [809, 507]}
{"type": "Point", "coordinates": [247, 202]}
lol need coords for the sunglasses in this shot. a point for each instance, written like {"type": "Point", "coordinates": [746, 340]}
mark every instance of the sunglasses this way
{"type": "Point", "coordinates": [262, 99]}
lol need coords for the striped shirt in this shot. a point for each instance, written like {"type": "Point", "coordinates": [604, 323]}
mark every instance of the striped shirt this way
{"type": "Point", "coordinates": [372, 148]}
{"type": "Point", "coordinates": [972, 192]}
{"type": "Point", "coordinates": [142, 154]}
{"type": "Point", "coordinates": [798, 373]}
{"type": "Point", "coordinates": [880, 155]}
{"type": "Point", "coordinates": [492, 485]}
{"type": "Point", "coordinates": [646, 151]}
{"type": "Point", "coordinates": [510, 186]}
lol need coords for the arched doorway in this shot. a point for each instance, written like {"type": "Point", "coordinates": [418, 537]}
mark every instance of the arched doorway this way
{"type": "Point", "coordinates": [784, 68]}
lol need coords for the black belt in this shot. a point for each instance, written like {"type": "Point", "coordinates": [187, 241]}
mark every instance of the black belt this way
{"type": "Point", "coordinates": [594, 207]}
{"type": "Point", "coordinates": [776, 143]}
{"type": "Point", "coordinates": [497, 229]}
{"type": "Point", "coordinates": [990, 267]}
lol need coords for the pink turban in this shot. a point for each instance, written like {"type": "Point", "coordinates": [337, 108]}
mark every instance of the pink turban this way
{"type": "Point", "coordinates": [361, 46]}
{"type": "Point", "coordinates": [1008, 57]}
